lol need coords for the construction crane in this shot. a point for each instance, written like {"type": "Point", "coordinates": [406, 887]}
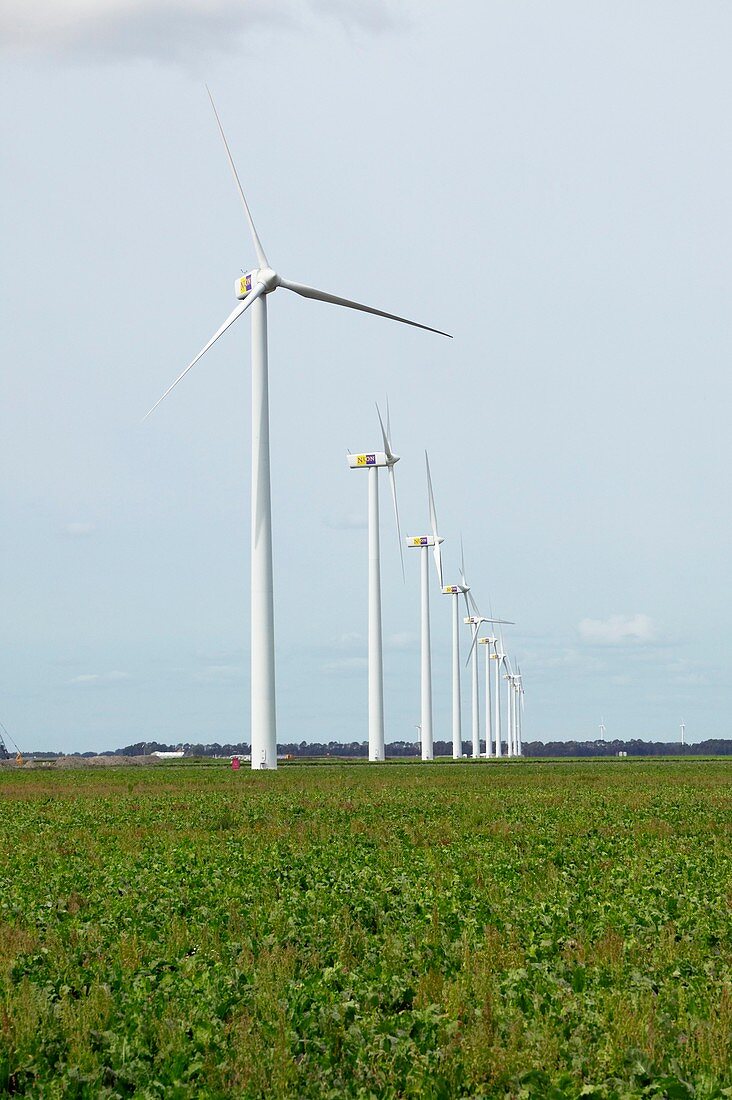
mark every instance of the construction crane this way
{"type": "Point", "coordinates": [4, 754]}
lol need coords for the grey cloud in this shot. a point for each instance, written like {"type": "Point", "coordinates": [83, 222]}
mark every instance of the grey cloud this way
{"type": "Point", "coordinates": [183, 31]}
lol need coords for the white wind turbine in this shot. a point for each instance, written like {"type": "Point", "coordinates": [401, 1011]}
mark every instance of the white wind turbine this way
{"type": "Point", "coordinates": [683, 732]}
{"type": "Point", "coordinates": [493, 694]}
{"type": "Point", "coordinates": [476, 621]}
{"type": "Point", "coordinates": [489, 720]}
{"type": "Point", "coordinates": [603, 729]}
{"type": "Point", "coordinates": [456, 590]}
{"type": "Point", "coordinates": [519, 711]}
{"type": "Point", "coordinates": [510, 679]}
{"type": "Point", "coordinates": [252, 290]}
{"type": "Point", "coordinates": [499, 656]}
{"type": "Point", "coordinates": [423, 542]}
{"type": "Point", "coordinates": [372, 463]}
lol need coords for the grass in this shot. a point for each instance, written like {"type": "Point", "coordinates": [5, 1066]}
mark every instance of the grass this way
{"type": "Point", "coordinates": [421, 931]}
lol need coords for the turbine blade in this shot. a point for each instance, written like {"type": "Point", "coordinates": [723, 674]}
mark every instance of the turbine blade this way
{"type": "Point", "coordinates": [261, 258]}
{"type": "Point", "coordinates": [322, 296]}
{"type": "Point", "coordinates": [500, 634]}
{"type": "Point", "coordinates": [384, 436]}
{"type": "Point", "coordinates": [475, 640]}
{"type": "Point", "coordinates": [392, 479]}
{"type": "Point", "coordinates": [233, 316]}
{"type": "Point", "coordinates": [473, 604]}
{"type": "Point", "coordinates": [437, 553]}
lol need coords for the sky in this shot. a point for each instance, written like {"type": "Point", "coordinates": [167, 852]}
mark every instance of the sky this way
{"type": "Point", "coordinates": [548, 183]}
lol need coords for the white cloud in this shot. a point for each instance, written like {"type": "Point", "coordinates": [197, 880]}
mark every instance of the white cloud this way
{"type": "Point", "coordinates": [406, 640]}
{"type": "Point", "coordinates": [638, 629]}
{"type": "Point", "coordinates": [98, 678]}
{"type": "Point", "coordinates": [219, 674]}
{"type": "Point", "coordinates": [345, 665]}
{"type": "Point", "coordinates": [79, 530]}
{"type": "Point", "coordinates": [171, 29]}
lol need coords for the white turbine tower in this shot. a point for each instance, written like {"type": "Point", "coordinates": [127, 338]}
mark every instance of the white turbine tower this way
{"type": "Point", "coordinates": [372, 463]}
{"type": "Point", "coordinates": [423, 542]}
{"type": "Point", "coordinates": [603, 729]}
{"type": "Point", "coordinates": [683, 732]}
{"type": "Point", "coordinates": [252, 290]}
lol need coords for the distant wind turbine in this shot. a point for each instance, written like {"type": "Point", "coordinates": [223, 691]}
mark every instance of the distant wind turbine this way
{"type": "Point", "coordinates": [252, 289]}
{"type": "Point", "coordinates": [489, 746]}
{"type": "Point", "coordinates": [372, 463]}
{"type": "Point", "coordinates": [476, 622]}
{"type": "Point", "coordinates": [510, 708]}
{"type": "Point", "coordinates": [423, 543]}
{"type": "Point", "coordinates": [499, 656]}
{"type": "Point", "coordinates": [519, 711]}
{"type": "Point", "coordinates": [456, 591]}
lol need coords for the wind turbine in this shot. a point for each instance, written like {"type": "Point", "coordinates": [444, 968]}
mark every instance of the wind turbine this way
{"type": "Point", "coordinates": [510, 709]}
{"type": "Point", "coordinates": [603, 729]}
{"type": "Point", "coordinates": [519, 711]}
{"type": "Point", "coordinates": [372, 463]}
{"type": "Point", "coordinates": [683, 732]}
{"type": "Point", "coordinates": [252, 290]}
{"type": "Point", "coordinates": [489, 722]}
{"type": "Point", "coordinates": [423, 542]}
{"type": "Point", "coordinates": [499, 656]}
{"type": "Point", "coordinates": [456, 590]}
{"type": "Point", "coordinates": [476, 622]}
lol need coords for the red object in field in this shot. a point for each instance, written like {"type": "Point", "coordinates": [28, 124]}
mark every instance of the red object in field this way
{"type": "Point", "coordinates": [235, 763]}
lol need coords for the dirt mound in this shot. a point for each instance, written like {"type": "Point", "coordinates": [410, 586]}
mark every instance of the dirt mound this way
{"type": "Point", "coordinates": [93, 762]}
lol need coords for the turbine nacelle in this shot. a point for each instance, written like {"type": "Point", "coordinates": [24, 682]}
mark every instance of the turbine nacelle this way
{"type": "Point", "coordinates": [423, 540]}
{"type": "Point", "coordinates": [375, 458]}
{"type": "Point", "coordinates": [245, 284]}
{"type": "Point", "coordinates": [453, 589]}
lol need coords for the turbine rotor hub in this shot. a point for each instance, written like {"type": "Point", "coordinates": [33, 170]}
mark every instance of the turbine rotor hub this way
{"type": "Point", "coordinates": [269, 278]}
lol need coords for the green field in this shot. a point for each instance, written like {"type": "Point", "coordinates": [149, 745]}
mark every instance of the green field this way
{"type": "Point", "coordinates": [529, 930]}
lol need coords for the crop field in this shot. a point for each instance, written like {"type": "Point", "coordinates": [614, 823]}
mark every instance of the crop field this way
{"type": "Point", "coordinates": [500, 930]}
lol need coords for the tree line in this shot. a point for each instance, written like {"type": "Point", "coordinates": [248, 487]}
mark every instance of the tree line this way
{"type": "Point", "coordinates": [359, 749]}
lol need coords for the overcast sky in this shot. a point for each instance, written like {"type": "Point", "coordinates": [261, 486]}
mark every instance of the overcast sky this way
{"type": "Point", "coordinates": [549, 182]}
